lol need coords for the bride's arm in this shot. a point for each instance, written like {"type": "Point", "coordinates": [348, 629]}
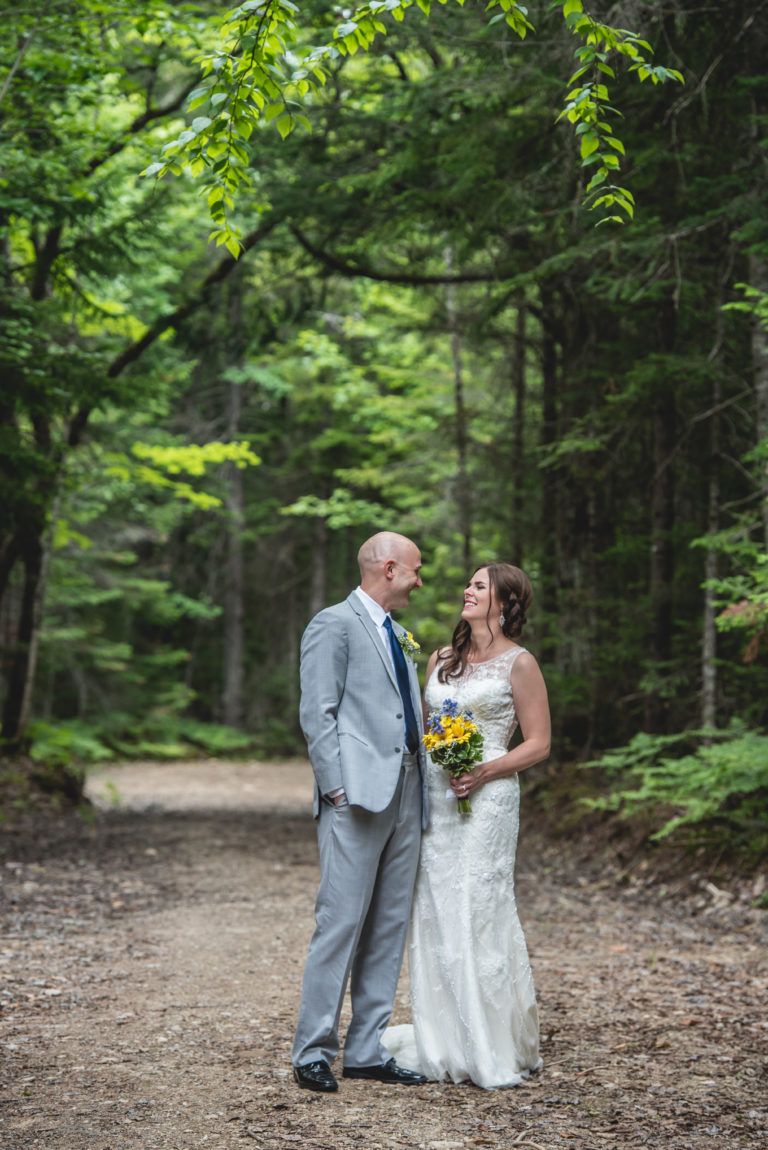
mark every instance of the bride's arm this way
{"type": "Point", "coordinates": [532, 707]}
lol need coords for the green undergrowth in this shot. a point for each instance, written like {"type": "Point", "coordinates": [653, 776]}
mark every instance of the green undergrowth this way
{"type": "Point", "coordinates": [696, 787]}
{"type": "Point", "coordinates": [57, 756]}
{"type": "Point", "coordinates": [126, 737]}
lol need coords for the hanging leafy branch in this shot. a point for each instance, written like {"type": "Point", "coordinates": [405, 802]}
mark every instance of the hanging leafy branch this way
{"type": "Point", "coordinates": [588, 106]}
{"type": "Point", "coordinates": [258, 74]}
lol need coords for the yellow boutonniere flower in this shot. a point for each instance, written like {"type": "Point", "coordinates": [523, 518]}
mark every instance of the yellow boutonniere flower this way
{"type": "Point", "coordinates": [409, 645]}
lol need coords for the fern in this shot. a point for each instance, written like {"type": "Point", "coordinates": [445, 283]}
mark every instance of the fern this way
{"type": "Point", "coordinates": [721, 782]}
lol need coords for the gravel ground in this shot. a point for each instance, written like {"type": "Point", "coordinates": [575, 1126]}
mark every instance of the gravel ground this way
{"type": "Point", "coordinates": [151, 961]}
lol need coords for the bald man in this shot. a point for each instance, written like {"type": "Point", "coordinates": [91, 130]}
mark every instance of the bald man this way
{"type": "Point", "coordinates": [362, 720]}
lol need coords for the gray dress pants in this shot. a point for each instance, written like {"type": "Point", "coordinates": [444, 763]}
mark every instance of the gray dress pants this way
{"type": "Point", "coordinates": [368, 864]}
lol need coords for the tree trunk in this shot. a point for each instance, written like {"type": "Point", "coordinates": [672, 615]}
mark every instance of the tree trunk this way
{"type": "Point", "coordinates": [232, 703]}
{"type": "Point", "coordinates": [591, 599]}
{"type": "Point", "coordinates": [9, 556]}
{"type": "Point", "coordinates": [518, 436]}
{"type": "Point", "coordinates": [234, 590]}
{"type": "Point", "coordinates": [709, 622]}
{"type": "Point", "coordinates": [38, 607]}
{"type": "Point", "coordinates": [662, 525]}
{"type": "Point", "coordinates": [294, 624]}
{"type": "Point", "coordinates": [463, 502]}
{"type": "Point", "coordinates": [758, 278]}
{"type": "Point", "coordinates": [549, 500]}
{"type": "Point", "coordinates": [317, 590]}
{"type": "Point", "coordinates": [23, 657]}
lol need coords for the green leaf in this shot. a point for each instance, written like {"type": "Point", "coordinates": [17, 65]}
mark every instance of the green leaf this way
{"type": "Point", "coordinates": [285, 125]}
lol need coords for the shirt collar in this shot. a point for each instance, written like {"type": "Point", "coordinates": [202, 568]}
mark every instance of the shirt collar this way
{"type": "Point", "coordinates": [374, 609]}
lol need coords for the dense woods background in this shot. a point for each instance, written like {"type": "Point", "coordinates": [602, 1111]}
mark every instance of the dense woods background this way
{"type": "Point", "coordinates": [425, 331]}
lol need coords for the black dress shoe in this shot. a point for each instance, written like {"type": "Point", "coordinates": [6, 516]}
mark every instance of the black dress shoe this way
{"type": "Point", "coordinates": [316, 1076]}
{"type": "Point", "coordinates": [388, 1072]}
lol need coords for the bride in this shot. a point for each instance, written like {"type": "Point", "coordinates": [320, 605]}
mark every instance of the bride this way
{"type": "Point", "coordinates": [472, 997]}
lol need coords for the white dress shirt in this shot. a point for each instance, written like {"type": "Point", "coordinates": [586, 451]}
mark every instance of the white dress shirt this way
{"type": "Point", "coordinates": [378, 615]}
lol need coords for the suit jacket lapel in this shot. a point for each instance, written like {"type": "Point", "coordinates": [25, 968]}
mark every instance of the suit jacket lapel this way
{"type": "Point", "coordinates": [354, 601]}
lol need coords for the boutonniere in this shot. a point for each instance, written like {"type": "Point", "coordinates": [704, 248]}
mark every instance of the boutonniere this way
{"type": "Point", "coordinates": [408, 643]}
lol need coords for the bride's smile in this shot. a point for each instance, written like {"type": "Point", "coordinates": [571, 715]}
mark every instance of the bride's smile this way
{"type": "Point", "coordinates": [477, 597]}
{"type": "Point", "coordinates": [482, 611]}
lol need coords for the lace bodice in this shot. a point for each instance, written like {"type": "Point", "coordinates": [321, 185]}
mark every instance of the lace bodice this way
{"type": "Point", "coordinates": [484, 689]}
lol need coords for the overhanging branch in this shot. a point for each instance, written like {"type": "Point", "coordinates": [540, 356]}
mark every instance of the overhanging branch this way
{"type": "Point", "coordinates": [197, 298]}
{"type": "Point", "coordinates": [347, 268]}
{"type": "Point", "coordinates": [140, 123]}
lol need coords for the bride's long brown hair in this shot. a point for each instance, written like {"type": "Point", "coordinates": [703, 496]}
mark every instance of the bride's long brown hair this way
{"type": "Point", "coordinates": [511, 589]}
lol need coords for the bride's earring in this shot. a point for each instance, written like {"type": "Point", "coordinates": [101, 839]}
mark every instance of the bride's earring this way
{"type": "Point", "coordinates": [502, 619]}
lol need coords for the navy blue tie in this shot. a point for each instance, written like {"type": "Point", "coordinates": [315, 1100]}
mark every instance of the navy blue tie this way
{"type": "Point", "coordinates": [403, 682]}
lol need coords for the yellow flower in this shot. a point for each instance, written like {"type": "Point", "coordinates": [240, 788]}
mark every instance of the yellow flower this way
{"type": "Point", "coordinates": [408, 643]}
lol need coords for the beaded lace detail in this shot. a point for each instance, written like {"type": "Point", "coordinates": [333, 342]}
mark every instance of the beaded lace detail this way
{"type": "Point", "coordinates": [472, 996]}
{"type": "Point", "coordinates": [484, 689]}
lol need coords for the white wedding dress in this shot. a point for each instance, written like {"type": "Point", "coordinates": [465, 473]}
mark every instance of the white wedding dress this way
{"type": "Point", "coordinates": [473, 1003]}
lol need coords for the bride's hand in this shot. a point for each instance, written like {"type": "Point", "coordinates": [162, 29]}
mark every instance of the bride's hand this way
{"type": "Point", "coordinates": [465, 784]}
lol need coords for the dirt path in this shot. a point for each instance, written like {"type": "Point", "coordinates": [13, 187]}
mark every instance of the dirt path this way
{"type": "Point", "coordinates": [150, 966]}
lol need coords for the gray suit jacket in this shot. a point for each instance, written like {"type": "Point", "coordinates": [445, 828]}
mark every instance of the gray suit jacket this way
{"type": "Point", "coordinates": [351, 712]}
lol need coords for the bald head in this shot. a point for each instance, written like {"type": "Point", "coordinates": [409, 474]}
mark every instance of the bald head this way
{"type": "Point", "coordinates": [389, 568]}
{"type": "Point", "coordinates": [385, 545]}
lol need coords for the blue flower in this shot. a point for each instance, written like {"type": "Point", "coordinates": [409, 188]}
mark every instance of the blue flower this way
{"type": "Point", "coordinates": [450, 707]}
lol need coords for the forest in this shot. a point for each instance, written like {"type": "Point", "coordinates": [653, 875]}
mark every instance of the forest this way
{"type": "Point", "coordinates": [236, 344]}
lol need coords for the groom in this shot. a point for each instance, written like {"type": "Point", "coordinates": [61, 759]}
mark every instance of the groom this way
{"type": "Point", "coordinates": [361, 716]}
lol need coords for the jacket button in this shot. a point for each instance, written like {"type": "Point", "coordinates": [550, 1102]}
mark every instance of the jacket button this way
{"type": "Point", "coordinates": [398, 716]}
{"type": "Point", "coordinates": [398, 750]}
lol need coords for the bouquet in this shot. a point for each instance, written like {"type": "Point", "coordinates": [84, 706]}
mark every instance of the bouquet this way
{"type": "Point", "coordinates": [454, 742]}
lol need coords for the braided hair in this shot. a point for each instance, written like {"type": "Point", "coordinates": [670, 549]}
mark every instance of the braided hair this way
{"type": "Point", "coordinates": [511, 595]}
